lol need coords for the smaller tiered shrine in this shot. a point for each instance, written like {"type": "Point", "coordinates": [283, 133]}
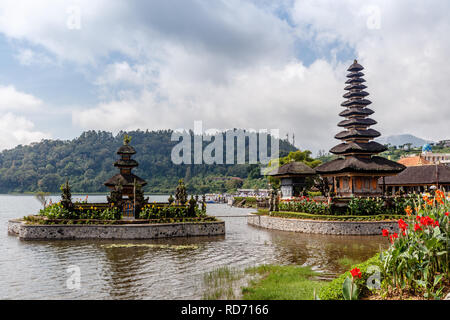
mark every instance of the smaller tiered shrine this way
{"type": "Point", "coordinates": [126, 187]}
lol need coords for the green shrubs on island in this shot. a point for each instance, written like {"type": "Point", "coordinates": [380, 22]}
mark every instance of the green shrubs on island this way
{"type": "Point", "coordinates": [373, 206]}
{"type": "Point", "coordinates": [306, 205]}
{"type": "Point", "coordinates": [356, 206]}
{"type": "Point", "coordinates": [152, 211]}
{"type": "Point", "coordinates": [65, 211]}
{"type": "Point", "coordinates": [57, 211]}
{"type": "Point", "coordinates": [313, 216]}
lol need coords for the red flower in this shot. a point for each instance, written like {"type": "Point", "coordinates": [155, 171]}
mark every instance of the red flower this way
{"type": "Point", "coordinates": [436, 223]}
{"type": "Point", "coordinates": [446, 213]}
{"type": "Point", "coordinates": [417, 227]}
{"type": "Point", "coordinates": [385, 232]}
{"type": "Point", "coordinates": [402, 225]}
{"type": "Point", "coordinates": [355, 273]}
{"type": "Point", "coordinates": [426, 221]}
{"type": "Point", "coordinates": [393, 236]}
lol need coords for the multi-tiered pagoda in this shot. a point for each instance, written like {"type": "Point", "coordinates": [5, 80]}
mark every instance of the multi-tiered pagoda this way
{"type": "Point", "coordinates": [125, 187]}
{"type": "Point", "coordinates": [357, 170]}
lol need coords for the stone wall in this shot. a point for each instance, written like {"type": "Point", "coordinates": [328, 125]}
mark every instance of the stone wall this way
{"type": "Point", "coordinates": [129, 232]}
{"type": "Point", "coordinates": [322, 227]}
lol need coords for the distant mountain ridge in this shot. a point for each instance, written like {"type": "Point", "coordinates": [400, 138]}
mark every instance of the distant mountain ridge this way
{"type": "Point", "coordinates": [401, 139]}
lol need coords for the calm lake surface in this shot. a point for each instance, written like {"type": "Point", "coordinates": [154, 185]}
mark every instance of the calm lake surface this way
{"type": "Point", "coordinates": [38, 269]}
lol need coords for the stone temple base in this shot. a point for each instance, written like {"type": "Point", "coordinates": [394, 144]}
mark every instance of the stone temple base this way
{"type": "Point", "coordinates": [322, 227]}
{"type": "Point", "coordinates": [126, 231]}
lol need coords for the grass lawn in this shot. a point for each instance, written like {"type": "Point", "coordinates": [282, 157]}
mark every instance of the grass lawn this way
{"type": "Point", "coordinates": [282, 283]}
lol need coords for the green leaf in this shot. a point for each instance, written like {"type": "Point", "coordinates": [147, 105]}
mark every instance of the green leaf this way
{"type": "Point", "coordinates": [437, 279]}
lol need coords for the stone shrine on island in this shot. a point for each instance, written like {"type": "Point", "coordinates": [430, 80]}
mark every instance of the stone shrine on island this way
{"type": "Point", "coordinates": [126, 187]}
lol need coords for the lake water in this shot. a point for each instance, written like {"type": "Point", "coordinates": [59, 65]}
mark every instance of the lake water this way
{"type": "Point", "coordinates": [39, 269]}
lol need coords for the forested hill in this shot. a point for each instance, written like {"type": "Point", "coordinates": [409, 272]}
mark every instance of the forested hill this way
{"type": "Point", "coordinates": [87, 161]}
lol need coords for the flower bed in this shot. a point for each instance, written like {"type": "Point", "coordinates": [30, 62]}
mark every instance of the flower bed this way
{"type": "Point", "coordinates": [356, 207]}
{"type": "Point", "coordinates": [305, 204]}
{"type": "Point", "coordinates": [304, 215]}
{"type": "Point", "coordinates": [415, 265]}
{"type": "Point", "coordinates": [48, 221]}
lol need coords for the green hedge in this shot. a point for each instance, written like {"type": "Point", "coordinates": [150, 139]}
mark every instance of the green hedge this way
{"type": "Point", "coordinates": [333, 290]}
{"type": "Point", "coordinates": [303, 215]}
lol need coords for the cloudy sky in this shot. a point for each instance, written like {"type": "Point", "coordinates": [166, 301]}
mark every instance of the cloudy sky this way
{"type": "Point", "coordinates": [70, 66]}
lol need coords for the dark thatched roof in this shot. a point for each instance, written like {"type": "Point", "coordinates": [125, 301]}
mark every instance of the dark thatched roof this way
{"type": "Point", "coordinates": [356, 102]}
{"type": "Point", "coordinates": [126, 149]}
{"type": "Point", "coordinates": [125, 180]}
{"type": "Point", "coordinates": [357, 122]}
{"type": "Point", "coordinates": [370, 147]}
{"type": "Point", "coordinates": [355, 67]}
{"type": "Point", "coordinates": [374, 165]}
{"type": "Point", "coordinates": [126, 163]}
{"type": "Point", "coordinates": [419, 175]}
{"type": "Point", "coordinates": [355, 80]}
{"type": "Point", "coordinates": [356, 111]}
{"type": "Point", "coordinates": [355, 94]}
{"type": "Point", "coordinates": [354, 133]}
{"type": "Point", "coordinates": [294, 168]}
{"type": "Point", "coordinates": [356, 86]}
{"type": "Point", "coordinates": [355, 75]}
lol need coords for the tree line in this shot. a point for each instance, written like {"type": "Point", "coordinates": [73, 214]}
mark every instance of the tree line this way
{"type": "Point", "coordinates": [87, 162]}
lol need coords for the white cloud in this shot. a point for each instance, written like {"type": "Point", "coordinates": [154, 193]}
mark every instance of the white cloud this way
{"type": "Point", "coordinates": [16, 130]}
{"type": "Point", "coordinates": [11, 99]}
{"type": "Point", "coordinates": [261, 98]}
{"type": "Point", "coordinates": [28, 57]}
{"type": "Point", "coordinates": [405, 58]}
{"type": "Point", "coordinates": [234, 64]}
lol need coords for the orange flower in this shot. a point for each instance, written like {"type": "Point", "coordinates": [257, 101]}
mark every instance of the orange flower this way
{"type": "Point", "coordinates": [408, 210]}
{"type": "Point", "coordinates": [425, 198]}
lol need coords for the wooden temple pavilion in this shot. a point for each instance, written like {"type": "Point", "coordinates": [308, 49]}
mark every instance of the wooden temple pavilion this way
{"type": "Point", "coordinates": [124, 181]}
{"type": "Point", "coordinates": [357, 171]}
{"type": "Point", "coordinates": [293, 178]}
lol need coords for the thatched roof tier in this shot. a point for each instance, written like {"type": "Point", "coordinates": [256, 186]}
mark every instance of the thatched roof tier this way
{"type": "Point", "coordinates": [356, 86]}
{"type": "Point", "coordinates": [355, 75]}
{"type": "Point", "coordinates": [126, 149]}
{"type": "Point", "coordinates": [129, 163]}
{"type": "Point", "coordinates": [372, 165]}
{"type": "Point", "coordinates": [357, 122]}
{"type": "Point", "coordinates": [355, 133]}
{"type": "Point", "coordinates": [126, 180]}
{"type": "Point", "coordinates": [421, 175]}
{"type": "Point", "coordinates": [355, 94]}
{"type": "Point", "coordinates": [358, 147]}
{"type": "Point", "coordinates": [294, 168]}
{"type": "Point", "coordinates": [356, 112]}
{"type": "Point", "coordinates": [356, 102]}
{"type": "Point", "coordinates": [355, 80]}
{"type": "Point", "coordinates": [355, 67]}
